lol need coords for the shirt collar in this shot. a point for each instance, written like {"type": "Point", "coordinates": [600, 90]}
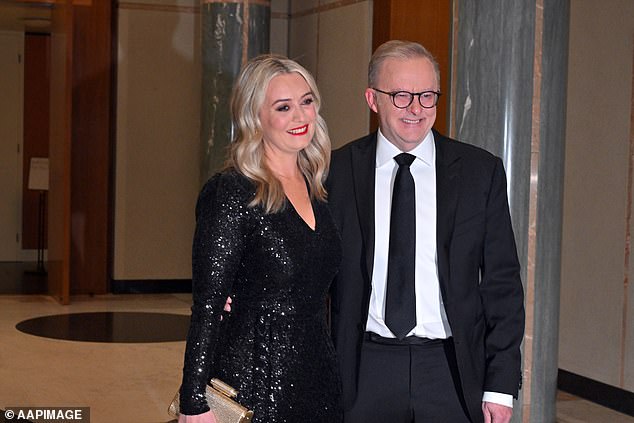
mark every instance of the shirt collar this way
{"type": "Point", "coordinates": [386, 151]}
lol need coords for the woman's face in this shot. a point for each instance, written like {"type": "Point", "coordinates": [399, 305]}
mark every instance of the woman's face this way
{"type": "Point", "coordinates": [287, 114]}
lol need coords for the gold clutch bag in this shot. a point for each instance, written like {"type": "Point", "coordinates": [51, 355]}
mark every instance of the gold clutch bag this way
{"type": "Point", "coordinates": [220, 399]}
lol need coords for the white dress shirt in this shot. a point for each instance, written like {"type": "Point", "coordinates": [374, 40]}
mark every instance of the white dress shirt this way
{"type": "Point", "coordinates": [431, 317]}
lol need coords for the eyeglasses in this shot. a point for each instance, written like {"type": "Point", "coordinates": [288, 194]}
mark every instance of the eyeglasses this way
{"type": "Point", "coordinates": [402, 99]}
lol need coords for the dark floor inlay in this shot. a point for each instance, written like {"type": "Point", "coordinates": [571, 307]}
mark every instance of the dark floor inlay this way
{"type": "Point", "coordinates": [109, 327]}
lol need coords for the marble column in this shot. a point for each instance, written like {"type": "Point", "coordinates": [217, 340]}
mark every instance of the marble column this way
{"type": "Point", "coordinates": [233, 31]}
{"type": "Point", "coordinates": [508, 95]}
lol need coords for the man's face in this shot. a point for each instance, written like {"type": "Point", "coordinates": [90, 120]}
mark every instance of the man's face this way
{"type": "Point", "coordinates": [405, 128]}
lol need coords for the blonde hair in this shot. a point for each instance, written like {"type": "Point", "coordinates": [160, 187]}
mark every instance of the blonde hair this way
{"type": "Point", "coordinates": [246, 154]}
{"type": "Point", "coordinates": [398, 49]}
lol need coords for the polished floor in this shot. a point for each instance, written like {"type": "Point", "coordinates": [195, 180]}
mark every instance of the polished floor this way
{"type": "Point", "coordinates": [126, 376]}
{"type": "Point", "coordinates": [119, 381]}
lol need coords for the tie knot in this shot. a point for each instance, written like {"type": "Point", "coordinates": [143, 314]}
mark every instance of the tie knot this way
{"type": "Point", "coordinates": [404, 159]}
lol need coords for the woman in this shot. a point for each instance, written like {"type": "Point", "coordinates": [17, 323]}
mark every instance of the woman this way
{"type": "Point", "coordinates": [264, 237]}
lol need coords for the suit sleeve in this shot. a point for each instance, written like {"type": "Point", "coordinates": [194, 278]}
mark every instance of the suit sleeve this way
{"type": "Point", "coordinates": [501, 292]}
{"type": "Point", "coordinates": [219, 240]}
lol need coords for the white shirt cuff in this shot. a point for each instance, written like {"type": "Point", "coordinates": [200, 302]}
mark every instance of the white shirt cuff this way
{"type": "Point", "coordinates": [498, 398]}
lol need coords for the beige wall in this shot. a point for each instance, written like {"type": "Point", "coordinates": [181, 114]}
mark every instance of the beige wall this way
{"type": "Point", "coordinates": [597, 313]}
{"type": "Point", "coordinates": [333, 40]}
{"type": "Point", "coordinates": [158, 115]}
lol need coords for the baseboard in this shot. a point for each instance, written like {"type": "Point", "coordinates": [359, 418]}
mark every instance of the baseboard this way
{"type": "Point", "coordinates": [163, 286]}
{"type": "Point", "coordinates": [606, 395]}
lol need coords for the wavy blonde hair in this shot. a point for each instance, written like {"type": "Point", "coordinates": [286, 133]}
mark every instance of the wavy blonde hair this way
{"type": "Point", "coordinates": [246, 154]}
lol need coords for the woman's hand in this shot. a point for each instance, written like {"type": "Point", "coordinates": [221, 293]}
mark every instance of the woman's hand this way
{"type": "Point", "coordinates": [207, 417]}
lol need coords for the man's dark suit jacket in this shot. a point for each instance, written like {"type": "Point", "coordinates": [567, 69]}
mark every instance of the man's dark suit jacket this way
{"type": "Point", "coordinates": [477, 264]}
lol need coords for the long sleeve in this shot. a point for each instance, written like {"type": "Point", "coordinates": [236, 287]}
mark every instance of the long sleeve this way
{"type": "Point", "coordinates": [502, 293]}
{"type": "Point", "coordinates": [222, 219]}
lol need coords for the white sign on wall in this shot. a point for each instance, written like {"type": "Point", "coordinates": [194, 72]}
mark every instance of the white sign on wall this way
{"type": "Point", "coordinates": [38, 174]}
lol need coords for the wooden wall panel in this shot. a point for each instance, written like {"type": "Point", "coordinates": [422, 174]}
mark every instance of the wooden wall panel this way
{"type": "Point", "coordinates": [59, 153]}
{"type": "Point", "coordinates": [427, 22]}
{"type": "Point", "coordinates": [80, 128]}
{"type": "Point", "coordinates": [92, 76]}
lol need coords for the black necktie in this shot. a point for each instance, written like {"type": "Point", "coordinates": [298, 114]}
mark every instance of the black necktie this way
{"type": "Point", "coordinates": [400, 302]}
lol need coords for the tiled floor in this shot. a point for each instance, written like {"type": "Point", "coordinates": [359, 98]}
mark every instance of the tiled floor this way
{"type": "Point", "coordinates": [126, 382]}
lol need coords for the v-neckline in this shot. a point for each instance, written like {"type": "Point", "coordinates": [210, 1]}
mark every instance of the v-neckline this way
{"type": "Point", "coordinates": [312, 208]}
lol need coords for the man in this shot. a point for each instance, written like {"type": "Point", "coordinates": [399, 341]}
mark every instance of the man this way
{"type": "Point", "coordinates": [427, 308]}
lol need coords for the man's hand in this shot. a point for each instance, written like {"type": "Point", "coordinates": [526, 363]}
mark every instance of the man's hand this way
{"type": "Point", "coordinates": [496, 413]}
{"type": "Point", "coordinates": [227, 307]}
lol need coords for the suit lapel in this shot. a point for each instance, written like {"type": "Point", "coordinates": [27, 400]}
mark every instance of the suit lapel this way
{"type": "Point", "coordinates": [363, 173]}
{"type": "Point", "coordinates": [448, 168]}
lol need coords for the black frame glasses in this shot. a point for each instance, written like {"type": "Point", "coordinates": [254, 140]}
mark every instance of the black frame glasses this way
{"type": "Point", "coordinates": [402, 97]}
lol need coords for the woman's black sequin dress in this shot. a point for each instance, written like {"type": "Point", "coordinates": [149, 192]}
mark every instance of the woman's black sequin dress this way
{"type": "Point", "coordinates": [273, 347]}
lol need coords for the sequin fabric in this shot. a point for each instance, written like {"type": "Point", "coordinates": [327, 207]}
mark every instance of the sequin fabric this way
{"type": "Point", "coordinates": [273, 346]}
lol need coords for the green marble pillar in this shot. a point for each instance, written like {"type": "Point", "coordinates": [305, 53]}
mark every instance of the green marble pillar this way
{"type": "Point", "coordinates": [510, 96]}
{"type": "Point", "coordinates": [233, 31]}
